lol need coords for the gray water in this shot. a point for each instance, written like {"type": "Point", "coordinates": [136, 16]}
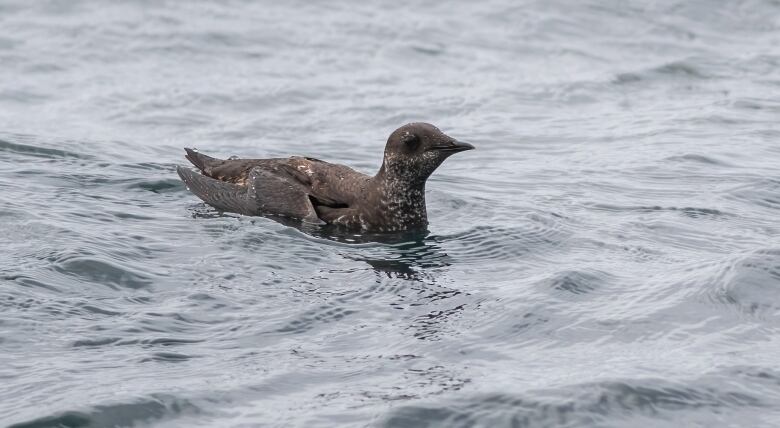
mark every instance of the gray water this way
{"type": "Point", "coordinates": [609, 255]}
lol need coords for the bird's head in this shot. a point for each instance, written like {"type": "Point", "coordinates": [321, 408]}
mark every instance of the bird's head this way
{"type": "Point", "coordinates": [415, 150]}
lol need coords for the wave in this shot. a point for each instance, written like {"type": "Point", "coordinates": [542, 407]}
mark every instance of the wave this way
{"type": "Point", "coordinates": [749, 282]}
{"type": "Point", "coordinates": [535, 235]}
{"type": "Point", "coordinates": [764, 192]}
{"type": "Point", "coordinates": [142, 411]}
{"type": "Point", "coordinates": [38, 151]}
{"type": "Point", "coordinates": [612, 403]}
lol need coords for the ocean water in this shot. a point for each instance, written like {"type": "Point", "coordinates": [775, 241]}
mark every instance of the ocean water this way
{"type": "Point", "coordinates": [609, 256]}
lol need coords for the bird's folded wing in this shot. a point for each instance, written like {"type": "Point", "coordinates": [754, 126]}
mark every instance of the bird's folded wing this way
{"type": "Point", "coordinates": [275, 192]}
{"type": "Point", "coordinates": [219, 194]}
{"type": "Point", "coordinates": [266, 192]}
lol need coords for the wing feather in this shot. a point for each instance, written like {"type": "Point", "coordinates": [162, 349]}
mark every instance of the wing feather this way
{"type": "Point", "coordinates": [219, 194]}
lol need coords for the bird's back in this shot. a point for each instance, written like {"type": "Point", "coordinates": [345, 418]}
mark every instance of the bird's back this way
{"type": "Point", "coordinates": [300, 187]}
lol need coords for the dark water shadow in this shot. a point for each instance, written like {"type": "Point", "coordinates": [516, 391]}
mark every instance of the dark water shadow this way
{"type": "Point", "coordinates": [411, 259]}
{"type": "Point", "coordinates": [35, 150]}
{"type": "Point", "coordinates": [578, 405]}
{"type": "Point", "coordinates": [156, 407]}
{"type": "Point", "coordinates": [408, 268]}
{"type": "Point", "coordinates": [396, 255]}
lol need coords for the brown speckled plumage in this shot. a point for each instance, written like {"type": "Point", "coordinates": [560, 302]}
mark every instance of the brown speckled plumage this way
{"type": "Point", "coordinates": [320, 192]}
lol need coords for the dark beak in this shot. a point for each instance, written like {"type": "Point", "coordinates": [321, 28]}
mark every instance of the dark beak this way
{"type": "Point", "coordinates": [453, 147]}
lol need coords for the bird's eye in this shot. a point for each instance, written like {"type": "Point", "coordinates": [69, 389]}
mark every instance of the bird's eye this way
{"type": "Point", "coordinates": [410, 140]}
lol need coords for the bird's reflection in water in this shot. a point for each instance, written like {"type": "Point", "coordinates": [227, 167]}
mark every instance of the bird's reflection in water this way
{"type": "Point", "coordinates": [407, 255]}
{"type": "Point", "coordinates": [397, 255]}
{"type": "Point", "coordinates": [408, 268]}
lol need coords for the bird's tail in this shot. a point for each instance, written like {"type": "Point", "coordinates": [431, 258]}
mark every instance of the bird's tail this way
{"type": "Point", "coordinates": [201, 161]}
{"type": "Point", "coordinates": [219, 194]}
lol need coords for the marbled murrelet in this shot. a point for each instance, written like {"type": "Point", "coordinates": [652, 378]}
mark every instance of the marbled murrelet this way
{"type": "Point", "coordinates": [320, 192]}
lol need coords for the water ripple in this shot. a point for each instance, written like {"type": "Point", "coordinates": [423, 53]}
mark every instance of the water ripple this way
{"type": "Point", "coordinates": [608, 256]}
{"type": "Point", "coordinates": [576, 406]}
{"type": "Point", "coordinates": [147, 410]}
{"type": "Point", "coordinates": [751, 283]}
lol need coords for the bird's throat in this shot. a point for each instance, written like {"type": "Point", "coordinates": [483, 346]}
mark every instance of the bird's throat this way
{"type": "Point", "coordinates": [402, 204]}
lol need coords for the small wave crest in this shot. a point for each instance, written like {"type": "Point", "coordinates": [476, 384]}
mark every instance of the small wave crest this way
{"type": "Point", "coordinates": [750, 283]}
{"type": "Point", "coordinates": [144, 411]}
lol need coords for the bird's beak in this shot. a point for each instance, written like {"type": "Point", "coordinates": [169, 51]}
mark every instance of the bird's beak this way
{"type": "Point", "coordinates": [453, 147]}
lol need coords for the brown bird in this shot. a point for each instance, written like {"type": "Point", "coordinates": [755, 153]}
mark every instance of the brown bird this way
{"type": "Point", "coordinates": [319, 192]}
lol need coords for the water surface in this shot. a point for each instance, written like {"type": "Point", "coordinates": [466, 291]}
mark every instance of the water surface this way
{"type": "Point", "coordinates": [609, 256]}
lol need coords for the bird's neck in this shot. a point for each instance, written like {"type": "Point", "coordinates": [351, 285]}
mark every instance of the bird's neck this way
{"type": "Point", "coordinates": [402, 197]}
